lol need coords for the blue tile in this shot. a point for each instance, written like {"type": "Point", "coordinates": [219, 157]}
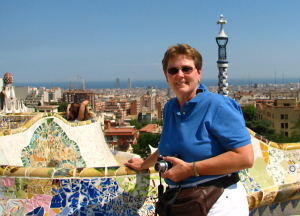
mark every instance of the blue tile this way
{"type": "Point", "coordinates": [39, 211]}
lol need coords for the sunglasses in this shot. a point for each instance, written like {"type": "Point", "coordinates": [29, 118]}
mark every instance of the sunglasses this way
{"type": "Point", "coordinates": [184, 69]}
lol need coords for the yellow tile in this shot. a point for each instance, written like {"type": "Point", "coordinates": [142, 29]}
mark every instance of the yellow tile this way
{"type": "Point", "coordinates": [56, 210]}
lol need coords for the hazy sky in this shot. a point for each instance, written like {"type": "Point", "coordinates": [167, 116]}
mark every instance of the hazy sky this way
{"type": "Point", "coordinates": [61, 40]}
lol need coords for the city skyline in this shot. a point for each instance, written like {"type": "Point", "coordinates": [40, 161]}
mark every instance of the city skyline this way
{"type": "Point", "coordinates": [52, 41]}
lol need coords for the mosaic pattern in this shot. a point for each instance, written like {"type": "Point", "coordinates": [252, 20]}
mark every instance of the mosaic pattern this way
{"type": "Point", "coordinates": [15, 123]}
{"type": "Point", "coordinates": [94, 196]}
{"type": "Point", "coordinates": [118, 195]}
{"type": "Point", "coordinates": [55, 180]}
{"type": "Point", "coordinates": [12, 122]}
{"type": "Point", "coordinates": [275, 176]}
{"type": "Point", "coordinates": [51, 147]}
{"type": "Point", "coordinates": [248, 182]}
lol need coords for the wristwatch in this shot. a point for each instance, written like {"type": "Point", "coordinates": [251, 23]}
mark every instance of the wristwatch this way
{"type": "Point", "coordinates": [196, 173]}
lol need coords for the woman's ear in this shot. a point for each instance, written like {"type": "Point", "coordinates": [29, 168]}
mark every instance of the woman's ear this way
{"type": "Point", "coordinates": [199, 71]}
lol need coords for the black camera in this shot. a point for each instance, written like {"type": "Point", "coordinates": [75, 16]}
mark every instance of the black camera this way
{"type": "Point", "coordinates": [161, 165]}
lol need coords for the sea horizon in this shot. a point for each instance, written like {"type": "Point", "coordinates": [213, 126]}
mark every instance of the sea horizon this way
{"type": "Point", "coordinates": [149, 83]}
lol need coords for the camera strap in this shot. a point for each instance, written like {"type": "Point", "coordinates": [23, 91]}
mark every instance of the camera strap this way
{"type": "Point", "coordinates": [165, 198]}
{"type": "Point", "coordinates": [160, 191]}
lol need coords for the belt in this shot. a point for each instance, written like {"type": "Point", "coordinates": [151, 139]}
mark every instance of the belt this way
{"type": "Point", "coordinates": [224, 181]}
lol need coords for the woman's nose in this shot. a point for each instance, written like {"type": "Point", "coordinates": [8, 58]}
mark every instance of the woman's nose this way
{"type": "Point", "coordinates": [180, 73]}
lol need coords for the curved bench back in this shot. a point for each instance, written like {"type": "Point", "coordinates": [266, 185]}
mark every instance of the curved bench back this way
{"type": "Point", "coordinates": [50, 166]}
{"type": "Point", "coordinates": [51, 141]}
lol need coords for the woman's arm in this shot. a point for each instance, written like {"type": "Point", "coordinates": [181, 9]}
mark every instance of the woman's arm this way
{"type": "Point", "coordinates": [140, 164]}
{"type": "Point", "coordinates": [228, 162]}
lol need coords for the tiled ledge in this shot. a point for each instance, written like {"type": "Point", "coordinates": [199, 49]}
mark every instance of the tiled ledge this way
{"type": "Point", "coordinates": [281, 146]}
{"type": "Point", "coordinates": [265, 197]}
{"type": "Point", "coordinates": [275, 194]}
{"type": "Point", "coordinates": [36, 117]}
{"type": "Point", "coordinates": [51, 172]}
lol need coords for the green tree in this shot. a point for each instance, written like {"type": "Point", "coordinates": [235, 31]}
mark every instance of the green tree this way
{"type": "Point", "coordinates": [296, 133]}
{"type": "Point", "coordinates": [262, 127]}
{"type": "Point", "coordinates": [281, 138]}
{"type": "Point", "coordinates": [138, 125]}
{"type": "Point", "coordinates": [297, 126]}
{"type": "Point", "coordinates": [143, 142]}
{"type": "Point", "coordinates": [62, 106]}
{"type": "Point", "coordinates": [158, 122]}
{"type": "Point", "coordinates": [249, 112]}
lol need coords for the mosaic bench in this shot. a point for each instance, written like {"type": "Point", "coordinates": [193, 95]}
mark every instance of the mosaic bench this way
{"type": "Point", "coordinates": [47, 169]}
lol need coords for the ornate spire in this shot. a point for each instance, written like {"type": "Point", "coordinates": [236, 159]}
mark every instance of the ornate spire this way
{"type": "Point", "coordinates": [222, 40]}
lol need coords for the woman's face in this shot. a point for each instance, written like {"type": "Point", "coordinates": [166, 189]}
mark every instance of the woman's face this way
{"type": "Point", "coordinates": [185, 82]}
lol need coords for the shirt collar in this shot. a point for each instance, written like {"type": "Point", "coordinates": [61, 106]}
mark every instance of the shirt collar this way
{"type": "Point", "coordinates": [201, 91]}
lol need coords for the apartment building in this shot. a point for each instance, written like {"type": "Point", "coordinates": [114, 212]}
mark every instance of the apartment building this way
{"type": "Point", "coordinates": [282, 113]}
{"type": "Point", "coordinates": [77, 96]}
{"type": "Point", "coordinates": [120, 138]}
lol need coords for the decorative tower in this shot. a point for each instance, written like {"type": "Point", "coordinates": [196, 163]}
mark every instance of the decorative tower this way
{"type": "Point", "coordinates": [222, 40]}
{"type": "Point", "coordinates": [8, 101]}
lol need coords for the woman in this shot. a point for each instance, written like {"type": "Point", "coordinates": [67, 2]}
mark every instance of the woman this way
{"type": "Point", "coordinates": [205, 131]}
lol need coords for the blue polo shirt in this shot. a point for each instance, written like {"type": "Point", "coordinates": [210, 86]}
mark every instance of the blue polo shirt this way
{"type": "Point", "coordinates": [209, 124]}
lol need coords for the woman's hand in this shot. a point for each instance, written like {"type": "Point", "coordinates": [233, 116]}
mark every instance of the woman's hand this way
{"type": "Point", "coordinates": [135, 163]}
{"type": "Point", "coordinates": [180, 170]}
{"type": "Point", "coordinates": [226, 163]}
{"type": "Point", "coordinates": [140, 164]}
